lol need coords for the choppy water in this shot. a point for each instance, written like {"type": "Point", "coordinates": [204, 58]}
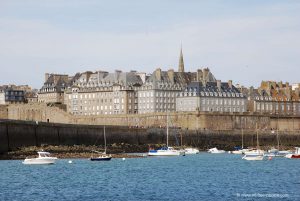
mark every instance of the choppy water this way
{"type": "Point", "coordinates": [195, 177]}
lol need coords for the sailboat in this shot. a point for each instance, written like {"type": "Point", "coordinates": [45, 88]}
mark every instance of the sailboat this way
{"type": "Point", "coordinates": [102, 156]}
{"type": "Point", "coordinates": [165, 151]}
{"type": "Point", "coordinates": [276, 152]}
{"type": "Point", "coordinates": [240, 150]}
{"type": "Point", "coordinates": [255, 155]}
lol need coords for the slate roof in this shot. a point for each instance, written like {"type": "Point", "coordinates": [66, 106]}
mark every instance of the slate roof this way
{"type": "Point", "coordinates": [211, 90]}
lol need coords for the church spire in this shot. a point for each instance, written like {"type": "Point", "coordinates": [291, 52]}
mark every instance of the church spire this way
{"type": "Point", "coordinates": [181, 63]}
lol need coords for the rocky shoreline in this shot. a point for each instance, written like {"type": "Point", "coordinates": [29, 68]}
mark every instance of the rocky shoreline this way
{"type": "Point", "coordinates": [77, 151]}
{"type": "Point", "coordinates": [121, 150]}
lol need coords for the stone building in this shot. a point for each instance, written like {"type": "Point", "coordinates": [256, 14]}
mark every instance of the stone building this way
{"type": "Point", "coordinates": [103, 93]}
{"type": "Point", "coordinates": [211, 96]}
{"type": "Point", "coordinates": [274, 98]}
{"type": "Point", "coordinates": [160, 90]}
{"type": "Point", "coordinates": [31, 96]}
{"type": "Point", "coordinates": [11, 94]}
{"type": "Point", "coordinates": [53, 89]}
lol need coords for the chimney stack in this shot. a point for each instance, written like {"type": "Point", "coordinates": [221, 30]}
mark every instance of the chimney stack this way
{"type": "Point", "coordinates": [46, 76]}
{"type": "Point", "coordinates": [199, 75]}
{"type": "Point", "coordinates": [205, 76]}
{"type": "Point", "coordinates": [171, 75]}
{"type": "Point", "coordinates": [230, 84]}
{"type": "Point", "coordinates": [219, 85]}
{"type": "Point", "coordinates": [158, 74]}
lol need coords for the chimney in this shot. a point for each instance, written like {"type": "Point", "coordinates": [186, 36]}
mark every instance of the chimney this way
{"type": "Point", "coordinates": [117, 75]}
{"type": "Point", "coordinates": [230, 84]}
{"type": "Point", "coordinates": [199, 75]}
{"type": "Point", "coordinates": [205, 74]}
{"type": "Point", "coordinates": [219, 85]}
{"type": "Point", "coordinates": [46, 76]}
{"type": "Point", "coordinates": [55, 79]}
{"type": "Point", "coordinates": [158, 74]}
{"type": "Point", "coordinates": [171, 75]}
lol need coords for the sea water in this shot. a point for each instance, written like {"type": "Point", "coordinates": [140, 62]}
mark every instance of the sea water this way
{"type": "Point", "coordinates": [192, 177]}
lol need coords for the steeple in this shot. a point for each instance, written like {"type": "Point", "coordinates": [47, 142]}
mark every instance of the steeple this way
{"type": "Point", "coordinates": [181, 63]}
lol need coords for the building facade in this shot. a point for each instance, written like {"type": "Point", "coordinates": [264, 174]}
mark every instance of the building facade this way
{"type": "Point", "coordinates": [274, 98]}
{"type": "Point", "coordinates": [11, 95]}
{"type": "Point", "coordinates": [103, 93]}
{"type": "Point", "coordinates": [211, 97]}
{"type": "Point", "coordinates": [53, 89]}
{"type": "Point", "coordinates": [159, 92]}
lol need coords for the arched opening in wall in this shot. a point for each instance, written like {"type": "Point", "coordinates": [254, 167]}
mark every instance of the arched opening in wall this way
{"type": "Point", "coordinates": [47, 120]}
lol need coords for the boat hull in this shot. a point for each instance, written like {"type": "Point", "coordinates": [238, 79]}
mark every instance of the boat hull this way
{"type": "Point", "coordinates": [101, 159]}
{"type": "Point", "coordinates": [40, 161]}
{"type": "Point", "coordinates": [191, 151]}
{"type": "Point", "coordinates": [164, 153]}
{"type": "Point", "coordinates": [293, 156]}
{"type": "Point", "coordinates": [253, 157]}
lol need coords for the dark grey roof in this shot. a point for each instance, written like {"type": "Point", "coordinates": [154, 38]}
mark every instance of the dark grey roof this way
{"type": "Point", "coordinates": [211, 89]}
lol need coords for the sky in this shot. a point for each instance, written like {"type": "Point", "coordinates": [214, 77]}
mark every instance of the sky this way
{"type": "Point", "coordinates": [246, 41]}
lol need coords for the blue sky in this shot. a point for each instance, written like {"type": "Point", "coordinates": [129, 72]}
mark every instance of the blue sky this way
{"type": "Point", "coordinates": [245, 41]}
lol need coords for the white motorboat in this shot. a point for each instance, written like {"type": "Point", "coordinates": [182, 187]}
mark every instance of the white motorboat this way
{"type": "Point", "coordinates": [44, 158]}
{"type": "Point", "coordinates": [191, 150]}
{"type": "Point", "coordinates": [166, 151]}
{"type": "Point", "coordinates": [215, 151]}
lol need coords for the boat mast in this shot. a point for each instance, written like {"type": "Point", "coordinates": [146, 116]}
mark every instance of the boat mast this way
{"type": "Point", "coordinates": [257, 142]}
{"type": "Point", "coordinates": [167, 129]}
{"type": "Point", "coordinates": [242, 138]}
{"type": "Point", "coordinates": [104, 139]}
{"type": "Point", "coordinates": [277, 132]}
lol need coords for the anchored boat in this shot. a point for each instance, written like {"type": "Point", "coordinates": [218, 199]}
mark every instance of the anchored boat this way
{"type": "Point", "coordinates": [294, 155]}
{"type": "Point", "coordinates": [166, 151]}
{"type": "Point", "coordinates": [102, 156]}
{"type": "Point", "coordinates": [44, 158]}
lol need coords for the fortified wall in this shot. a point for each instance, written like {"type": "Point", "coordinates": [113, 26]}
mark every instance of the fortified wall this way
{"type": "Point", "coordinates": [186, 120]}
{"type": "Point", "coordinates": [16, 134]}
{"type": "Point", "coordinates": [3, 111]}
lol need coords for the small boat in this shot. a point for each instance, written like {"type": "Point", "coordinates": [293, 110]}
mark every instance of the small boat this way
{"type": "Point", "coordinates": [166, 150]}
{"type": "Point", "coordinates": [102, 156]}
{"type": "Point", "coordinates": [276, 153]}
{"type": "Point", "coordinates": [215, 151]}
{"type": "Point", "coordinates": [254, 155]}
{"type": "Point", "coordinates": [273, 152]}
{"type": "Point", "coordinates": [43, 158]}
{"type": "Point", "coordinates": [238, 149]}
{"type": "Point", "coordinates": [191, 150]}
{"type": "Point", "coordinates": [294, 155]}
